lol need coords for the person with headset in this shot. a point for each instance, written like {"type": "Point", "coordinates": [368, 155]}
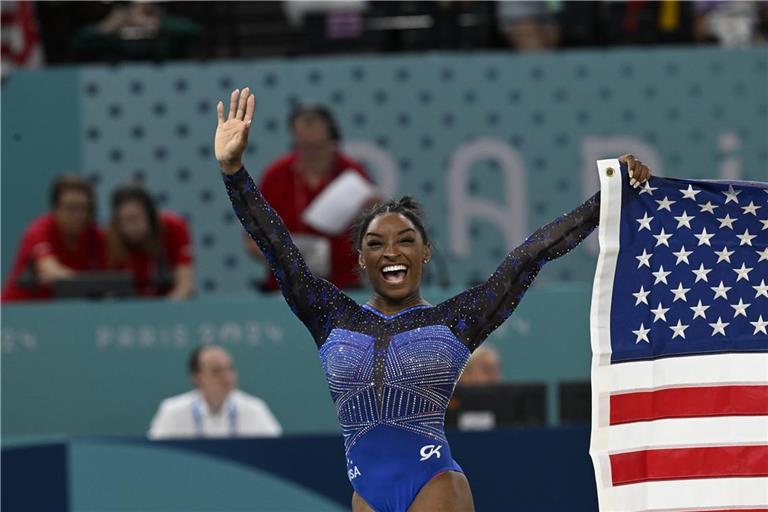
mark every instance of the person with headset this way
{"type": "Point", "coordinates": [296, 183]}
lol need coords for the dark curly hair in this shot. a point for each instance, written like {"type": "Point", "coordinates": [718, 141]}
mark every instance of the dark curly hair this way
{"type": "Point", "coordinates": [406, 206]}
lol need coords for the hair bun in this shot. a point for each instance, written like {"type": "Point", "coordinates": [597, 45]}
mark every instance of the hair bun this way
{"type": "Point", "coordinates": [410, 203]}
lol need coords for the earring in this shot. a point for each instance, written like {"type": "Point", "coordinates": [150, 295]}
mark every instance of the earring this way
{"type": "Point", "coordinates": [426, 261]}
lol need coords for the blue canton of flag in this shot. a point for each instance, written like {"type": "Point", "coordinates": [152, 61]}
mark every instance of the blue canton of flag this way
{"type": "Point", "coordinates": [696, 278]}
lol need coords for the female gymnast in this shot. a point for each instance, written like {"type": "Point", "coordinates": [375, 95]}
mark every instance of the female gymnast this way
{"type": "Point", "coordinates": [392, 363]}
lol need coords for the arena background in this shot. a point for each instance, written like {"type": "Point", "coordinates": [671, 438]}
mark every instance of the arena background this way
{"type": "Point", "coordinates": [494, 143]}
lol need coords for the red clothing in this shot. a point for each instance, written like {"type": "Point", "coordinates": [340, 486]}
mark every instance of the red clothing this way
{"type": "Point", "coordinates": [177, 251]}
{"type": "Point", "coordinates": [289, 195]}
{"type": "Point", "coordinates": [42, 238]}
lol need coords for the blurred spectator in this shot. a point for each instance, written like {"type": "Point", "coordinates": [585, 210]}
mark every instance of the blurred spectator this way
{"type": "Point", "coordinates": [730, 23]}
{"type": "Point", "coordinates": [483, 368]}
{"type": "Point", "coordinates": [154, 246]}
{"type": "Point", "coordinates": [136, 31]}
{"type": "Point", "coordinates": [529, 25]}
{"type": "Point", "coordinates": [216, 408]}
{"type": "Point", "coordinates": [294, 181]}
{"type": "Point", "coordinates": [21, 46]}
{"type": "Point", "coordinates": [58, 244]}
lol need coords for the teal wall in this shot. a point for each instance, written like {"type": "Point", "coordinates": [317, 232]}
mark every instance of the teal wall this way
{"type": "Point", "coordinates": [40, 138]}
{"type": "Point", "coordinates": [101, 369]}
{"type": "Point", "coordinates": [494, 144]}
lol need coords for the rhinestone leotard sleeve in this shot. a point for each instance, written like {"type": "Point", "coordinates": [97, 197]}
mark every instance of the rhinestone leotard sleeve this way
{"type": "Point", "coordinates": [477, 312]}
{"type": "Point", "coordinates": [316, 302]}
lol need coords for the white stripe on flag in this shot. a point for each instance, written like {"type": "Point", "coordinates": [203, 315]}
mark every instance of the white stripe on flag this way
{"type": "Point", "coordinates": [688, 432]}
{"type": "Point", "coordinates": [705, 493]}
{"type": "Point", "coordinates": [711, 369]}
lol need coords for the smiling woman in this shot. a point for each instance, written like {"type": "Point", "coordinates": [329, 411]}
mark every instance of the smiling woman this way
{"type": "Point", "coordinates": [392, 363]}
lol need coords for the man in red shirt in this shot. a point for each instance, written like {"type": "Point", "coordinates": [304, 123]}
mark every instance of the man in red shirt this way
{"type": "Point", "coordinates": [291, 184]}
{"type": "Point", "coordinates": [58, 244]}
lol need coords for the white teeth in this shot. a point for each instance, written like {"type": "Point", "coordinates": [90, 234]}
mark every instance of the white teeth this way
{"type": "Point", "coordinates": [394, 268]}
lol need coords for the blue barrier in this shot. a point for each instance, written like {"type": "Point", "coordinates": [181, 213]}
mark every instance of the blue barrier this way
{"type": "Point", "coordinates": [546, 469]}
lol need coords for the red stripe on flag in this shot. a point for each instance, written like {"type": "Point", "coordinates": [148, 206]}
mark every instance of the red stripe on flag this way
{"type": "Point", "coordinates": [737, 510]}
{"type": "Point", "coordinates": [689, 402]}
{"type": "Point", "coordinates": [682, 463]}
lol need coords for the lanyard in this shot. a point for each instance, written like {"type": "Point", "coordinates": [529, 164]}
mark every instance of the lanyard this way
{"type": "Point", "coordinates": [197, 416]}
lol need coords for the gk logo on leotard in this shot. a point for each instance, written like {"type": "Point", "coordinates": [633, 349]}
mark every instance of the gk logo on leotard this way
{"type": "Point", "coordinates": [429, 450]}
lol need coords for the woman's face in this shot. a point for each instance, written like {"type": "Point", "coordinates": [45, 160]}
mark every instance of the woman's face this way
{"type": "Point", "coordinates": [132, 222]}
{"type": "Point", "coordinates": [392, 253]}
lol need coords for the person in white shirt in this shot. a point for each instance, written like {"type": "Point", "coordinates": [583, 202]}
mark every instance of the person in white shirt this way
{"type": "Point", "coordinates": [216, 408]}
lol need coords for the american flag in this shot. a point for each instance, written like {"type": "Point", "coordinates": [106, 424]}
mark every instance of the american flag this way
{"type": "Point", "coordinates": [679, 328]}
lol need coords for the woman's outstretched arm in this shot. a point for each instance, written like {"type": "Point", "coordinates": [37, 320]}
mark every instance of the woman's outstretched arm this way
{"type": "Point", "coordinates": [315, 301]}
{"type": "Point", "coordinates": [477, 312]}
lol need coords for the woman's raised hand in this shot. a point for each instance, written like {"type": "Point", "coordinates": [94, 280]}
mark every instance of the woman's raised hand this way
{"type": "Point", "coordinates": [232, 131]}
{"type": "Point", "coordinates": [638, 172]}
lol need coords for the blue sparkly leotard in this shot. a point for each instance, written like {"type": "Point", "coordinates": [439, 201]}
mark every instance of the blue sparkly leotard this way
{"type": "Point", "coordinates": [391, 377]}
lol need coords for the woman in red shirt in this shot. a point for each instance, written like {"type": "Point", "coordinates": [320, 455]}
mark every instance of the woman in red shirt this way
{"type": "Point", "coordinates": [154, 246]}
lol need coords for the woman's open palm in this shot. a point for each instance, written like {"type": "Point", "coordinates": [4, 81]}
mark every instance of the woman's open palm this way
{"type": "Point", "coordinates": [232, 131]}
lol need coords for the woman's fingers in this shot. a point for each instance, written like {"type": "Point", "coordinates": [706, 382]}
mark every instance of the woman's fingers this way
{"type": "Point", "coordinates": [233, 103]}
{"type": "Point", "coordinates": [249, 110]}
{"type": "Point", "coordinates": [220, 112]}
{"type": "Point", "coordinates": [241, 103]}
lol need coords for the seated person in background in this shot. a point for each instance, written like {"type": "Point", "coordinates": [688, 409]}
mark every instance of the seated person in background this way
{"type": "Point", "coordinates": [294, 181]}
{"type": "Point", "coordinates": [58, 244]}
{"type": "Point", "coordinates": [215, 408]}
{"type": "Point", "coordinates": [154, 246]}
{"type": "Point", "coordinates": [483, 368]}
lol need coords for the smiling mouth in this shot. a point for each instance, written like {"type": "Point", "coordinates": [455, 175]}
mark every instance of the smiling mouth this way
{"type": "Point", "coordinates": [394, 274]}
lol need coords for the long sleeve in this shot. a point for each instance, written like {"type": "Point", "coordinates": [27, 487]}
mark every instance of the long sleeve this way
{"type": "Point", "coordinates": [477, 312]}
{"type": "Point", "coordinates": [314, 300]}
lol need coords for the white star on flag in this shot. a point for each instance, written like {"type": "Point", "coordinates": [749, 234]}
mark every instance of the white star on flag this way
{"type": "Point", "coordinates": [690, 193]}
{"type": "Point", "coordinates": [698, 310]}
{"type": "Point", "coordinates": [704, 237]}
{"type": "Point", "coordinates": [746, 238]}
{"type": "Point", "coordinates": [761, 289]}
{"type": "Point", "coordinates": [644, 259]}
{"type": "Point", "coordinates": [721, 291]}
{"type": "Point", "coordinates": [742, 273]}
{"type": "Point", "coordinates": [641, 296]}
{"type": "Point", "coordinates": [642, 334]}
{"type": "Point", "coordinates": [760, 325]}
{"type": "Point", "coordinates": [678, 330]}
{"type": "Point", "coordinates": [664, 204]}
{"type": "Point", "coordinates": [647, 188]}
{"type": "Point", "coordinates": [740, 309]}
{"type": "Point", "coordinates": [680, 293]}
{"type": "Point", "coordinates": [732, 195]}
{"type": "Point", "coordinates": [701, 273]}
{"type": "Point", "coordinates": [645, 222]}
{"type": "Point", "coordinates": [660, 313]}
{"type": "Point", "coordinates": [724, 255]}
{"type": "Point", "coordinates": [662, 238]}
{"type": "Point", "coordinates": [708, 207]}
{"type": "Point", "coordinates": [660, 275]}
{"type": "Point", "coordinates": [684, 220]}
{"type": "Point", "coordinates": [719, 327]}
{"type": "Point", "coordinates": [763, 255]}
{"type": "Point", "coordinates": [682, 255]}
{"type": "Point", "coordinates": [751, 208]}
{"type": "Point", "coordinates": [727, 221]}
